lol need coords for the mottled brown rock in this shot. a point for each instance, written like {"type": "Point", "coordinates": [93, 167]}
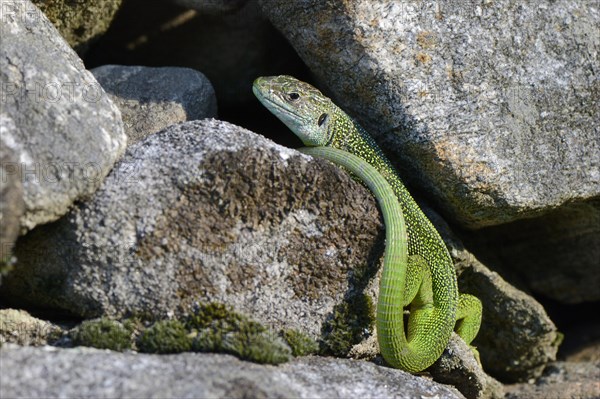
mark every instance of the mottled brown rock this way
{"type": "Point", "coordinates": [207, 211]}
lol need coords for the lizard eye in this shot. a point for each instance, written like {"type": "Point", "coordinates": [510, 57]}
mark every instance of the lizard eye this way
{"type": "Point", "coordinates": [322, 119]}
{"type": "Point", "coordinates": [294, 96]}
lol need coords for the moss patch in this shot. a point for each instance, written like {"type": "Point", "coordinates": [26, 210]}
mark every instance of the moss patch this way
{"type": "Point", "coordinates": [103, 334]}
{"type": "Point", "coordinates": [300, 343]}
{"type": "Point", "coordinates": [166, 336]}
{"type": "Point", "coordinates": [212, 327]}
{"type": "Point", "coordinates": [264, 347]}
{"type": "Point", "coordinates": [352, 320]}
{"type": "Point", "coordinates": [219, 329]}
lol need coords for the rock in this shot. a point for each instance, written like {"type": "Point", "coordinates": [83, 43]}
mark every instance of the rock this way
{"type": "Point", "coordinates": [517, 338]}
{"type": "Point", "coordinates": [231, 49]}
{"type": "Point", "coordinates": [465, 98]}
{"type": "Point", "coordinates": [589, 354]}
{"type": "Point", "coordinates": [211, 6]}
{"type": "Point", "coordinates": [151, 99]}
{"type": "Point", "coordinates": [19, 327]}
{"type": "Point", "coordinates": [562, 379]}
{"type": "Point", "coordinates": [458, 367]}
{"type": "Point", "coordinates": [79, 23]}
{"type": "Point", "coordinates": [64, 130]}
{"type": "Point", "coordinates": [37, 372]}
{"type": "Point", "coordinates": [556, 256]}
{"type": "Point", "coordinates": [206, 211]}
{"type": "Point", "coordinates": [11, 204]}
{"type": "Point", "coordinates": [582, 340]}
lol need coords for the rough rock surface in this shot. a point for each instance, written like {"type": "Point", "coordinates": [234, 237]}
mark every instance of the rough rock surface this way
{"type": "Point", "coordinates": [490, 107]}
{"type": "Point", "coordinates": [457, 366]}
{"type": "Point", "coordinates": [556, 256]}
{"type": "Point", "coordinates": [582, 341]}
{"type": "Point", "coordinates": [19, 327]}
{"type": "Point", "coordinates": [65, 131]}
{"type": "Point", "coordinates": [517, 338]}
{"type": "Point", "coordinates": [150, 99]}
{"type": "Point", "coordinates": [79, 22]}
{"type": "Point", "coordinates": [561, 380]}
{"type": "Point", "coordinates": [50, 372]}
{"type": "Point", "coordinates": [207, 211]}
{"type": "Point", "coordinates": [11, 203]}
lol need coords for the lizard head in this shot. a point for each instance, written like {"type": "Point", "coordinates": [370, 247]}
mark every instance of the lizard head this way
{"type": "Point", "coordinates": [304, 109]}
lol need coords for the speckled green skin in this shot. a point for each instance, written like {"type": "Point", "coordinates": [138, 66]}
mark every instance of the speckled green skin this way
{"type": "Point", "coordinates": [426, 279]}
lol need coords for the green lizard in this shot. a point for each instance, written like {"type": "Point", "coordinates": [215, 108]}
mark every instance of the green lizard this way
{"type": "Point", "coordinates": [426, 279]}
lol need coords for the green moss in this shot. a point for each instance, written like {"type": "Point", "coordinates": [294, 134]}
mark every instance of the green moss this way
{"type": "Point", "coordinates": [210, 328]}
{"type": "Point", "coordinates": [351, 322]}
{"type": "Point", "coordinates": [220, 329]}
{"type": "Point", "coordinates": [301, 344]}
{"type": "Point", "coordinates": [262, 347]}
{"type": "Point", "coordinates": [166, 336]}
{"type": "Point", "coordinates": [220, 316]}
{"type": "Point", "coordinates": [558, 340]}
{"type": "Point", "coordinates": [103, 334]}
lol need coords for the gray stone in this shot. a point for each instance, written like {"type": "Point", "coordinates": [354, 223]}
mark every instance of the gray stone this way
{"type": "Point", "coordinates": [561, 380]}
{"type": "Point", "coordinates": [457, 366]}
{"type": "Point", "coordinates": [11, 204]}
{"type": "Point", "coordinates": [19, 327]}
{"type": "Point", "coordinates": [556, 255]}
{"type": "Point", "coordinates": [582, 343]}
{"type": "Point", "coordinates": [65, 131]}
{"type": "Point", "coordinates": [207, 211]}
{"type": "Point", "coordinates": [151, 99]}
{"type": "Point", "coordinates": [51, 372]}
{"type": "Point", "coordinates": [79, 22]}
{"type": "Point", "coordinates": [517, 338]}
{"type": "Point", "coordinates": [491, 107]}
